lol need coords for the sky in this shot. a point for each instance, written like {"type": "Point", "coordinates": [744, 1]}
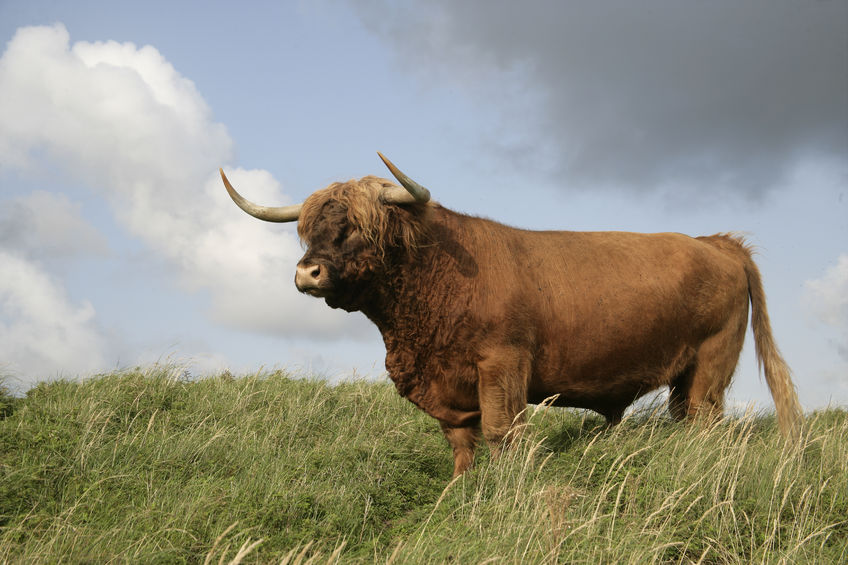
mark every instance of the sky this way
{"type": "Point", "coordinates": [119, 246]}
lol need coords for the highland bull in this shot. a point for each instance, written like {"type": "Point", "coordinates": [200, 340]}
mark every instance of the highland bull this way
{"type": "Point", "coordinates": [479, 318]}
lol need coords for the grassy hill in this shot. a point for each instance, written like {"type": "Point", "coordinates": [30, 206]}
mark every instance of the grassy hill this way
{"type": "Point", "coordinates": [140, 467]}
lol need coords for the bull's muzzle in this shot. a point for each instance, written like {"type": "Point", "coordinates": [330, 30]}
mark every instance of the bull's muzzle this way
{"type": "Point", "coordinates": [308, 278]}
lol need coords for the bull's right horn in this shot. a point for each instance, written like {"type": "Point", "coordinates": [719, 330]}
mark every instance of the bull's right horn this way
{"type": "Point", "coordinates": [415, 190]}
{"type": "Point", "coordinates": [267, 213]}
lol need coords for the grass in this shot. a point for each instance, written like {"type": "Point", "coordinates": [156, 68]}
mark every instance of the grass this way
{"type": "Point", "coordinates": [140, 466]}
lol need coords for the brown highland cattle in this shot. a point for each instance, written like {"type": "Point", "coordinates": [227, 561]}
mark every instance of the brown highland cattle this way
{"type": "Point", "coordinates": [479, 318]}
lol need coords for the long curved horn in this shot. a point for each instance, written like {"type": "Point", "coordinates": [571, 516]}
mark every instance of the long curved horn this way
{"type": "Point", "coordinates": [414, 190]}
{"type": "Point", "coordinates": [267, 213]}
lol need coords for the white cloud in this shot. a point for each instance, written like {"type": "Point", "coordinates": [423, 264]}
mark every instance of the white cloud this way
{"type": "Point", "coordinates": [827, 299]}
{"type": "Point", "coordinates": [828, 295]}
{"type": "Point", "coordinates": [49, 226]}
{"type": "Point", "coordinates": [43, 334]}
{"type": "Point", "coordinates": [123, 120]}
{"type": "Point", "coordinates": [113, 113]}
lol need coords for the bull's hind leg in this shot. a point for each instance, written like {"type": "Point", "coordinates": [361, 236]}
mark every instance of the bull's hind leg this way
{"type": "Point", "coordinates": [462, 441]}
{"type": "Point", "coordinates": [504, 374]}
{"type": "Point", "coordinates": [699, 391]}
{"type": "Point", "coordinates": [678, 397]}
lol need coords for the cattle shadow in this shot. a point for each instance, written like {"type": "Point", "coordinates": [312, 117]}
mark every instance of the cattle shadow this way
{"type": "Point", "coordinates": [464, 262]}
{"type": "Point", "coordinates": [564, 435]}
{"type": "Point", "coordinates": [461, 259]}
{"type": "Point", "coordinates": [573, 426]}
{"type": "Point", "coordinates": [580, 428]}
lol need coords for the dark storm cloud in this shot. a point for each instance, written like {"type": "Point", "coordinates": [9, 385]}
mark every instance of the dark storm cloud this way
{"type": "Point", "coordinates": [730, 93]}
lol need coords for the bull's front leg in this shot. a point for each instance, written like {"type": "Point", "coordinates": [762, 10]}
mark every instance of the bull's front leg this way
{"type": "Point", "coordinates": [504, 374]}
{"type": "Point", "coordinates": [461, 426]}
{"type": "Point", "coordinates": [462, 440]}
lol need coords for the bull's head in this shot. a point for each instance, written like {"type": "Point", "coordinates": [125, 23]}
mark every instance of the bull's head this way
{"type": "Point", "coordinates": [349, 229]}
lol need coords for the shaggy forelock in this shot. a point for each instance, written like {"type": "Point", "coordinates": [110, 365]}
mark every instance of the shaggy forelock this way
{"type": "Point", "coordinates": [380, 224]}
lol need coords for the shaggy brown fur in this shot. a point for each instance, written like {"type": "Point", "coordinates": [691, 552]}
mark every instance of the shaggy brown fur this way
{"type": "Point", "coordinates": [479, 318]}
{"type": "Point", "coordinates": [363, 209]}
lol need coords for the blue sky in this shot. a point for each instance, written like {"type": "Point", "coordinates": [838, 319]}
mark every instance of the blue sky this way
{"type": "Point", "coordinates": [119, 247]}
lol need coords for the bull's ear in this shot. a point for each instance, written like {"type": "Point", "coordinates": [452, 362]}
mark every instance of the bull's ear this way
{"type": "Point", "coordinates": [414, 190]}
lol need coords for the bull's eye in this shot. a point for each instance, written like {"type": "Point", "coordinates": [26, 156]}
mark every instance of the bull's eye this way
{"type": "Point", "coordinates": [344, 235]}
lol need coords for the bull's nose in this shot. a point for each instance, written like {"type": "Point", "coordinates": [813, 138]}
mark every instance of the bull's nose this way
{"type": "Point", "coordinates": [308, 276]}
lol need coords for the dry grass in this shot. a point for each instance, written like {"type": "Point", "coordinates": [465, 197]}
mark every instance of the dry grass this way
{"type": "Point", "coordinates": [143, 466]}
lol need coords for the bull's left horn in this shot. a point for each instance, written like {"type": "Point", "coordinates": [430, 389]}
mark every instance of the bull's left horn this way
{"type": "Point", "coordinates": [267, 213]}
{"type": "Point", "coordinates": [418, 192]}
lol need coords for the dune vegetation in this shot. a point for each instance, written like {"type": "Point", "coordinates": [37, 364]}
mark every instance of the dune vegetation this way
{"type": "Point", "coordinates": [143, 466]}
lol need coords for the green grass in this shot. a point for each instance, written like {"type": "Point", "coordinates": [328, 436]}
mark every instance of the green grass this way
{"type": "Point", "coordinates": [142, 467]}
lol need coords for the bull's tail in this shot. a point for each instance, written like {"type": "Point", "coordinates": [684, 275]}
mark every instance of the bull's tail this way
{"type": "Point", "coordinates": [769, 359]}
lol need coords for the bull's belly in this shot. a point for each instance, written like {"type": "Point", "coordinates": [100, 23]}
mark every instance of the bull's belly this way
{"type": "Point", "coordinates": [607, 387]}
{"type": "Point", "coordinates": [599, 398]}
{"type": "Point", "coordinates": [604, 402]}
